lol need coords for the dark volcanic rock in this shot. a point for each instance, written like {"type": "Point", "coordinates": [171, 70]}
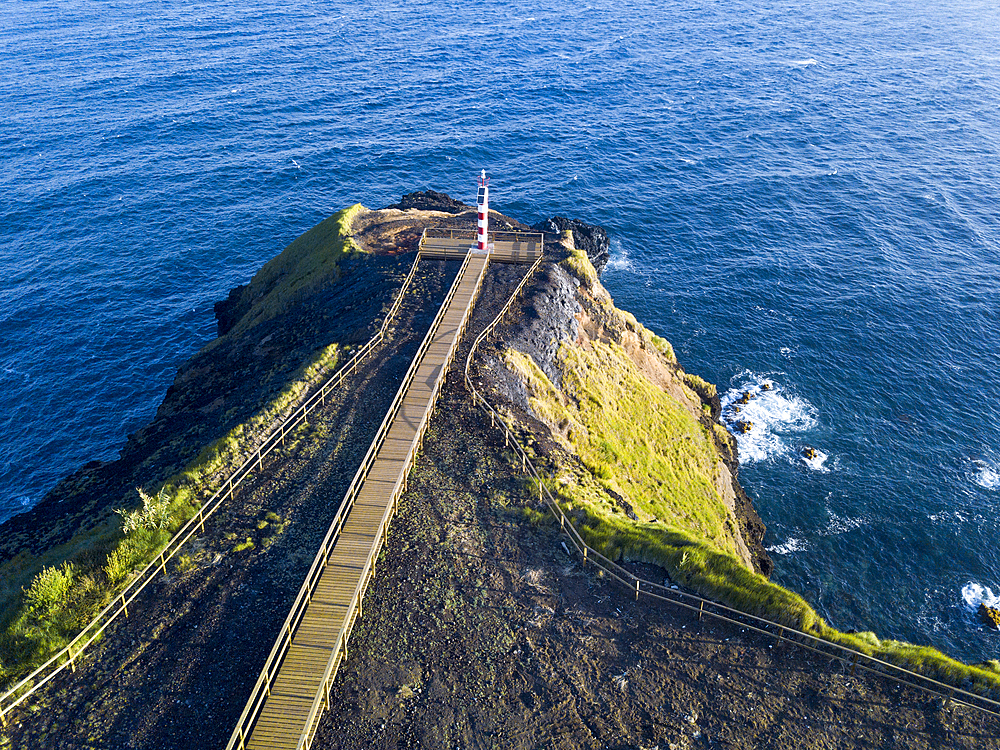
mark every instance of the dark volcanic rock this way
{"type": "Point", "coordinates": [229, 311]}
{"type": "Point", "coordinates": [593, 240]}
{"type": "Point", "coordinates": [430, 200]}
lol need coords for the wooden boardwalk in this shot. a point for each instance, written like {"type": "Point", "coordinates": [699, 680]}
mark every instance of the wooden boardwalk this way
{"type": "Point", "coordinates": [505, 247]}
{"type": "Point", "coordinates": [293, 690]}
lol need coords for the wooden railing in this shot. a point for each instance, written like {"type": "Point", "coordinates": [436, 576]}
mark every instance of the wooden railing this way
{"type": "Point", "coordinates": [641, 587]}
{"type": "Point", "coordinates": [470, 234]}
{"type": "Point", "coordinates": [272, 665]}
{"type": "Point", "coordinates": [66, 658]}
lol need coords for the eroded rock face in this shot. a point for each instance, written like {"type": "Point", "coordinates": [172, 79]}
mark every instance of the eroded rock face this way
{"type": "Point", "coordinates": [560, 311]}
{"type": "Point", "coordinates": [591, 239]}
{"type": "Point", "coordinates": [430, 200]}
{"type": "Point", "coordinates": [990, 616]}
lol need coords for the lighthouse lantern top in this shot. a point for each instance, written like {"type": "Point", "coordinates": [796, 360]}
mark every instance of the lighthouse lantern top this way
{"type": "Point", "coordinates": [484, 182]}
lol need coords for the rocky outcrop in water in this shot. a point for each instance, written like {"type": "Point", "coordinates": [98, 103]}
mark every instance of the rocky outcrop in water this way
{"type": "Point", "coordinates": [990, 616]}
{"type": "Point", "coordinates": [593, 240]}
{"type": "Point", "coordinates": [430, 200]}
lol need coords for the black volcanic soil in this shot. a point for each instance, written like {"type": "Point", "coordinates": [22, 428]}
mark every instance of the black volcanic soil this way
{"type": "Point", "coordinates": [479, 630]}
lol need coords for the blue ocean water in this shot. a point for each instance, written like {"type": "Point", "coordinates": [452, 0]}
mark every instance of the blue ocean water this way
{"type": "Point", "coordinates": [798, 195]}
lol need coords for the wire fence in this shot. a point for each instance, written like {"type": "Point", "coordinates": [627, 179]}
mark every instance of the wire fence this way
{"type": "Point", "coordinates": [118, 607]}
{"type": "Point", "coordinates": [640, 587]}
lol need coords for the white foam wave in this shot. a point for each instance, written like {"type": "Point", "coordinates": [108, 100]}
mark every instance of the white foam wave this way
{"type": "Point", "coordinates": [839, 525]}
{"type": "Point", "coordinates": [817, 462]}
{"type": "Point", "coordinates": [794, 544]}
{"type": "Point", "coordinates": [944, 517]}
{"type": "Point", "coordinates": [772, 414]}
{"type": "Point", "coordinates": [807, 63]}
{"type": "Point", "coordinates": [619, 260]}
{"type": "Point", "coordinates": [985, 474]}
{"type": "Point", "coordinates": [974, 594]}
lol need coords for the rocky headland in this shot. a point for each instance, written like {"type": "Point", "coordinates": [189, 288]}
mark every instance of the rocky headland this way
{"type": "Point", "coordinates": [480, 630]}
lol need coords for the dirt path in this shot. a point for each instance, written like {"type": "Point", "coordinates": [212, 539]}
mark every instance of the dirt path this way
{"type": "Point", "coordinates": [178, 672]}
{"type": "Point", "coordinates": [480, 631]}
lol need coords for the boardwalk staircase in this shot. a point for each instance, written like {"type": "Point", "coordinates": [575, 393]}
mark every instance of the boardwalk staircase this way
{"type": "Point", "coordinates": [294, 687]}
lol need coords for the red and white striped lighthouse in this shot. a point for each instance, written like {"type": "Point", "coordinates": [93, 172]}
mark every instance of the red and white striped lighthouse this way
{"type": "Point", "coordinates": [484, 213]}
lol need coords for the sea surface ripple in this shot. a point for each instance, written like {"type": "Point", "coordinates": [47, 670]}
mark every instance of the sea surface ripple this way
{"type": "Point", "coordinates": [802, 196]}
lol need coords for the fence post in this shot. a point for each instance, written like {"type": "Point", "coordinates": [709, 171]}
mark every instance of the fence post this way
{"type": "Point", "coordinates": [781, 632]}
{"type": "Point", "coordinates": [124, 605]}
{"type": "Point", "coordinates": [854, 663]}
{"type": "Point", "coordinates": [260, 461]}
{"type": "Point", "coordinates": [637, 589]}
{"type": "Point", "coordinates": [701, 609]}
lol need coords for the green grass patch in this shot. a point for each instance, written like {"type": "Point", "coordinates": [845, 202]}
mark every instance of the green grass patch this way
{"type": "Point", "coordinates": [706, 391]}
{"type": "Point", "coordinates": [79, 578]}
{"type": "Point", "coordinates": [580, 266]}
{"type": "Point", "coordinates": [245, 544]}
{"type": "Point", "coordinates": [636, 442]}
{"type": "Point", "coordinates": [310, 261]}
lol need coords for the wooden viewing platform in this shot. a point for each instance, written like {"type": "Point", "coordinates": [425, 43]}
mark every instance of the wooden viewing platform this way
{"type": "Point", "coordinates": [505, 247]}
{"type": "Point", "coordinates": [293, 688]}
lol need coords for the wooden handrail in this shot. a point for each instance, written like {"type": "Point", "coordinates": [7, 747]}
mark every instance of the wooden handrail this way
{"type": "Point", "coordinates": [64, 658]}
{"type": "Point", "coordinates": [272, 664]}
{"type": "Point", "coordinates": [470, 234]}
{"type": "Point", "coordinates": [686, 600]}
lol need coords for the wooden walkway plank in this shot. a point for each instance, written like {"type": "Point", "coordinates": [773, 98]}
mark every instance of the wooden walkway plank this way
{"type": "Point", "coordinates": [318, 640]}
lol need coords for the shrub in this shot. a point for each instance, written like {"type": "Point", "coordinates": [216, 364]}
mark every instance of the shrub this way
{"type": "Point", "coordinates": [49, 589]}
{"type": "Point", "coordinates": [154, 513]}
{"type": "Point", "coordinates": [122, 560]}
{"type": "Point", "coordinates": [706, 391]}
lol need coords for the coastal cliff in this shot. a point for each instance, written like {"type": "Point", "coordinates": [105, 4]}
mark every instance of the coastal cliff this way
{"type": "Point", "coordinates": [479, 624]}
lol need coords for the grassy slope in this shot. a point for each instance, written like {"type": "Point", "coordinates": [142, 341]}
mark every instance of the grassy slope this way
{"type": "Point", "coordinates": [311, 261]}
{"type": "Point", "coordinates": [637, 441]}
{"type": "Point", "coordinates": [78, 579]}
